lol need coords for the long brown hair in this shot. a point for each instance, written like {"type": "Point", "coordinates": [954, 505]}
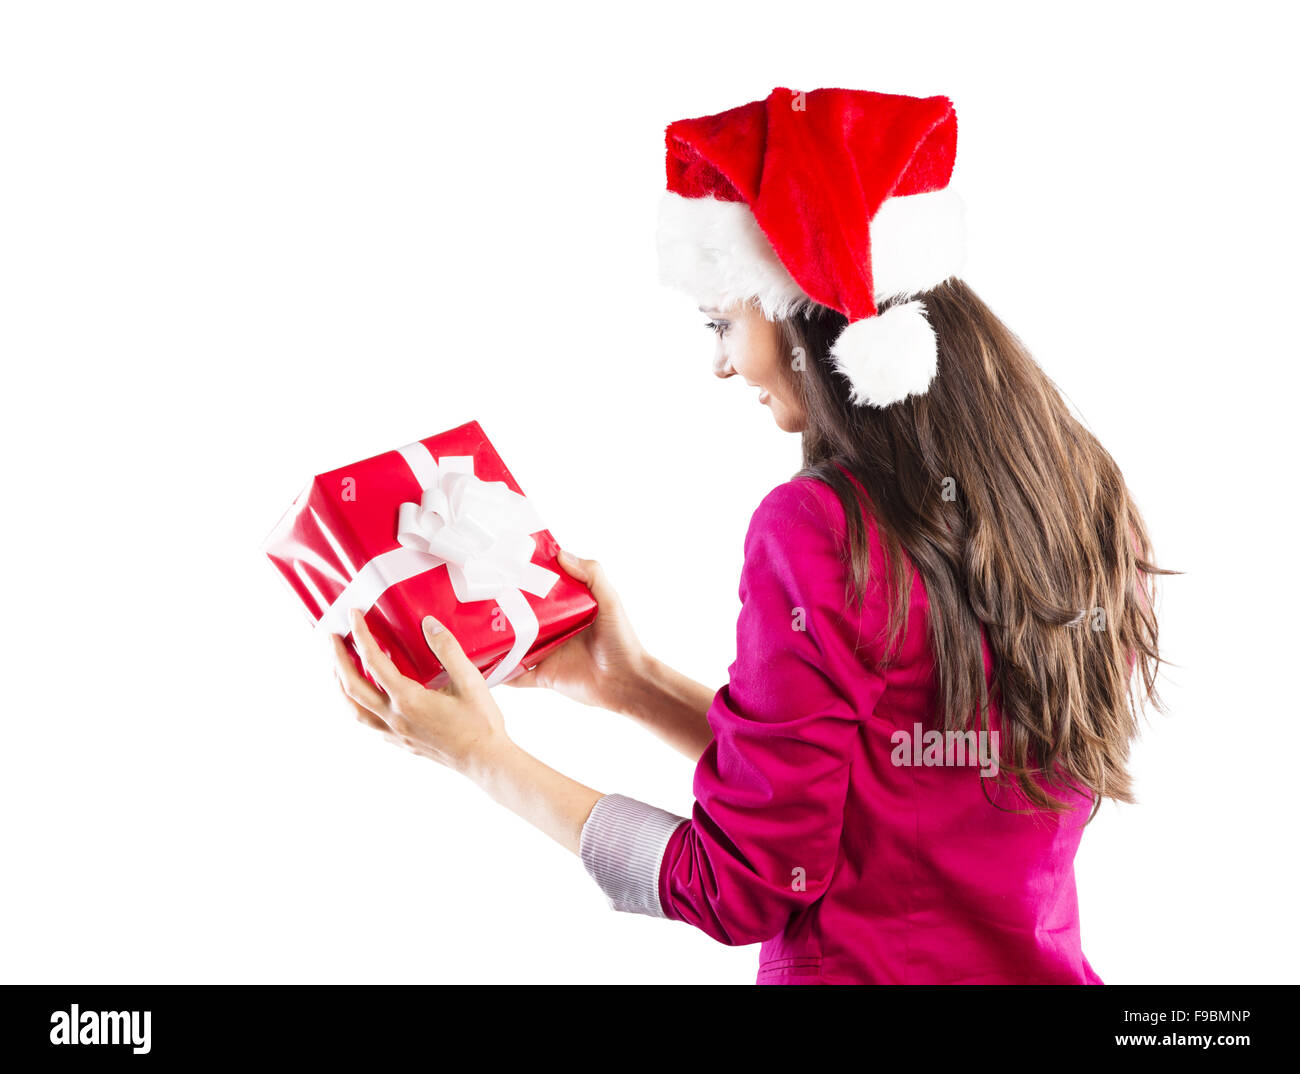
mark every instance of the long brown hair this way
{"type": "Point", "coordinates": [1020, 525]}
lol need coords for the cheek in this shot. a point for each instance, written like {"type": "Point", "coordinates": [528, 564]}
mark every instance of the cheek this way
{"type": "Point", "coordinates": [754, 358]}
{"type": "Point", "coordinates": [732, 349]}
{"type": "Point", "coordinates": [789, 389]}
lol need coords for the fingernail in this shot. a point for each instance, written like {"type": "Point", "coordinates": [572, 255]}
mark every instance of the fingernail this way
{"type": "Point", "coordinates": [568, 557]}
{"type": "Point", "coordinates": [432, 626]}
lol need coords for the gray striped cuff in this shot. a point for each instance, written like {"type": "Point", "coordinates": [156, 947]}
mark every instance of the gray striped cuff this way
{"type": "Point", "coordinates": [622, 846]}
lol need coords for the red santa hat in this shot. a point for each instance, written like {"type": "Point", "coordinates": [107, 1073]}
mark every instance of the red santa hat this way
{"type": "Point", "coordinates": [833, 196]}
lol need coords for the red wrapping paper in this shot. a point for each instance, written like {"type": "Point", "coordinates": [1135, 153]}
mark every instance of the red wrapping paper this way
{"type": "Point", "coordinates": [347, 517]}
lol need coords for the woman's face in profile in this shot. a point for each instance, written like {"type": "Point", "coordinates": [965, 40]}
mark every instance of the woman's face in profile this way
{"type": "Point", "coordinates": [752, 347]}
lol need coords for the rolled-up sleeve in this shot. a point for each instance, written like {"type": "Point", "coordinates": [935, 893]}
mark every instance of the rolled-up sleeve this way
{"type": "Point", "coordinates": [763, 838]}
{"type": "Point", "coordinates": [622, 846]}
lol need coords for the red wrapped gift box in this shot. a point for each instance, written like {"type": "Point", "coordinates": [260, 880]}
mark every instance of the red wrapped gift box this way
{"type": "Point", "coordinates": [439, 528]}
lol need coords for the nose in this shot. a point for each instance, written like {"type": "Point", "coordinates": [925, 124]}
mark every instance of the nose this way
{"type": "Point", "coordinates": [722, 367]}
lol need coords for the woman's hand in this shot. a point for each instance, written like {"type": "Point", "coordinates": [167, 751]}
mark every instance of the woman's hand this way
{"type": "Point", "coordinates": [458, 726]}
{"type": "Point", "coordinates": [603, 663]}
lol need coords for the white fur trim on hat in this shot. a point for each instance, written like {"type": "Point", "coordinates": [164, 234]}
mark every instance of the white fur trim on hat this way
{"type": "Point", "coordinates": [716, 252]}
{"type": "Point", "coordinates": [917, 242]}
{"type": "Point", "coordinates": [888, 357]}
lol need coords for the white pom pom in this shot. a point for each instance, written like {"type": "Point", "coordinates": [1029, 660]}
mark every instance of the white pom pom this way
{"type": "Point", "coordinates": [888, 357]}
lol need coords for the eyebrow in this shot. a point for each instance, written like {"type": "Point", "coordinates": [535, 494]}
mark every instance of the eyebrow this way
{"type": "Point", "coordinates": [709, 309]}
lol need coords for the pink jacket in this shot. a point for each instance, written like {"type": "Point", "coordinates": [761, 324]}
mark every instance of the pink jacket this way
{"type": "Point", "coordinates": [809, 837]}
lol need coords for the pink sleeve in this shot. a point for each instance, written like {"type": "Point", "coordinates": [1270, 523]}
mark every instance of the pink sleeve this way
{"type": "Point", "coordinates": [764, 834]}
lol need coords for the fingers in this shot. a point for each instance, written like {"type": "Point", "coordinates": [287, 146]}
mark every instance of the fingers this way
{"type": "Point", "coordinates": [353, 683]}
{"type": "Point", "coordinates": [574, 567]}
{"type": "Point", "coordinates": [590, 574]}
{"type": "Point", "coordinates": [365, 716]}
{"type": "Point", "coordinates": [381, 668]}
{"type": "Point", "coordinates": [369, 719]}
{"type": "Point", "coordinates": [442, 642]}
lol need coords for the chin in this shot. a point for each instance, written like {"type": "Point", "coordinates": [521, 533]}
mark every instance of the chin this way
{"type": "Point", "coordinates": [787, 422]}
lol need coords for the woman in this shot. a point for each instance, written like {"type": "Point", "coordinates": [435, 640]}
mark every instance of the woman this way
{"type": "Point", "coordinates": [940, 614]}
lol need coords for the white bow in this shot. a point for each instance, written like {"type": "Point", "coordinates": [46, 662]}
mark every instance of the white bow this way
{"type": "Point", "coordinates": [481, 529]}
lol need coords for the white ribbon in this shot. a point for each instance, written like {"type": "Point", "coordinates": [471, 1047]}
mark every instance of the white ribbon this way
{"type": "Point", "coordinates": [481, 531]}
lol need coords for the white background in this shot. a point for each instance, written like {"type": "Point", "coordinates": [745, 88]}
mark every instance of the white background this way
{"type": "Point", "coordinates": [242, 243]}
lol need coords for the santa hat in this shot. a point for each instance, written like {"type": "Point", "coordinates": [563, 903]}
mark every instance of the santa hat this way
{"type": "Point", "coordinates": [833, 196]}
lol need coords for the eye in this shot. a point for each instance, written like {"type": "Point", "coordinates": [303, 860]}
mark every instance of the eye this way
{"type": "Point", "coordinates": [719, 328]}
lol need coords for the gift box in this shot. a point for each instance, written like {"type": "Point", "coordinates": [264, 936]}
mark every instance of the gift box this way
{"type": "Point", "coordinates": [438, 527]}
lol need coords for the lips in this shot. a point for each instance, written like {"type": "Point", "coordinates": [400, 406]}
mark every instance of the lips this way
{"type": "Point", "coordinates": [763, 397]}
